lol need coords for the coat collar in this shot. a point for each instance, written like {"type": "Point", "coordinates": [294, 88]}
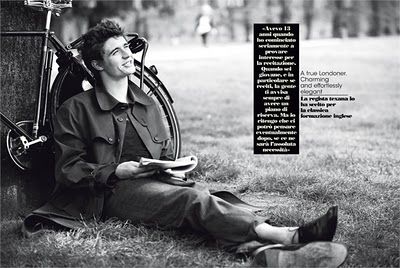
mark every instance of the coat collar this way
{"type": "Point", "coordinates": [108, 102]}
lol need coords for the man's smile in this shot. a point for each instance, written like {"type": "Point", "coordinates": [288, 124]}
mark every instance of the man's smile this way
{"type": "Point", "coordinates": [129, 63]}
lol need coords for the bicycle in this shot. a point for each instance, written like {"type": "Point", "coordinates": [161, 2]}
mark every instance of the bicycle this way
{"type": "Point", "coordinates": [28, 135]}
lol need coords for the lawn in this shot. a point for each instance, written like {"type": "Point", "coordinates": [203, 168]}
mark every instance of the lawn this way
{"type": "Point", "coordinates": [353, 163]}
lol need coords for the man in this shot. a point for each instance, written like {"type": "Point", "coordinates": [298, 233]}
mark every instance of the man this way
{"type": "Point", "coordinates": [100, 136]}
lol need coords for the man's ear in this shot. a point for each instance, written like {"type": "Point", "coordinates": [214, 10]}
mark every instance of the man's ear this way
{"type": "Point", "coordinates": [96, 64]}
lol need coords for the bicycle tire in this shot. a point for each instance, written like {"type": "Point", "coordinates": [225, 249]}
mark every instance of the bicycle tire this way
{"type": "Point", "coordinates": [68, 83]}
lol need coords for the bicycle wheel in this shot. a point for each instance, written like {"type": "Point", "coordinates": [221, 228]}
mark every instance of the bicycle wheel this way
{"type": "Point", "coordinates": [71, 81]}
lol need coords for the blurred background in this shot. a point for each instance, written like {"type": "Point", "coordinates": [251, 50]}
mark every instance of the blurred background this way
{"type": "Point", "coordinates": [175, 21]}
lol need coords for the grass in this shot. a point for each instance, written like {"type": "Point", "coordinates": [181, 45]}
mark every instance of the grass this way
{"type": "Point", "coordinates": [113, 243]}
{"type": "Point", "coordinates": [353, 163]}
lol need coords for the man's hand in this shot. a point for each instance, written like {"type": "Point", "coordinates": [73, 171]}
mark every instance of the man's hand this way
{"type": "Point", "coordinates": [131, 169]}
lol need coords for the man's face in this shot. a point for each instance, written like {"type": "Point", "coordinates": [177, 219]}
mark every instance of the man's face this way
{"type": "Point", "coordinates": [118, 61]}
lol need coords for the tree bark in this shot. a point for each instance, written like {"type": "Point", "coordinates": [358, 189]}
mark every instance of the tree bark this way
{"type": "Point", "coordinates": [20, 58]}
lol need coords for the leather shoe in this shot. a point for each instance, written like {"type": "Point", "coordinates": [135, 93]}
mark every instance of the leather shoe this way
{"type": "Point", "coordinates": [321, 229]}
{"type": "Point", "coordinates": [316, 254]}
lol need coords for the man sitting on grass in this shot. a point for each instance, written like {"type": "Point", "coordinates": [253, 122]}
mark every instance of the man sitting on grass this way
{"type": "Point", "coordinates": [101, 134]}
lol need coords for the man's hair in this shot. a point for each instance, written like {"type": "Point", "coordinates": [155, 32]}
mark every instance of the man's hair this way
{"type": "Point", "coordinates": [94, 39]}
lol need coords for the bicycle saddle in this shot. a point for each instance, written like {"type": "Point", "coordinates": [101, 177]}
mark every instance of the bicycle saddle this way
{"type": "Point", "coordinates": [53, 5]}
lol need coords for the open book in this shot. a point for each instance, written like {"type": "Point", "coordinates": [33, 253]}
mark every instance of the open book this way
{"type": "Point", "coordinates": [184, 164]}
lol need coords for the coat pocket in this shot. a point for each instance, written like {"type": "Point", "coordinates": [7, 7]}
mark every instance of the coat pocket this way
{"type": "Point", "coordinates": [157, 129]}
{"type": "Point", "coordinates": [103, 147]}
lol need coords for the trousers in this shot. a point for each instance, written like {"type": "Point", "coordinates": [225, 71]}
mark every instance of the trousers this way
{"type": "Point", "coordinates": [150, 201]}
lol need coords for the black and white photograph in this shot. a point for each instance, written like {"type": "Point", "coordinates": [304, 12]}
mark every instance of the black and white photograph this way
{"type": "Point", "coordinates": [200, 133]}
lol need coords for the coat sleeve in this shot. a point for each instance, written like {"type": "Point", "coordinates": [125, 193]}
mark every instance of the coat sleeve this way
{"type": "Point", "coordinates": [73, 167]}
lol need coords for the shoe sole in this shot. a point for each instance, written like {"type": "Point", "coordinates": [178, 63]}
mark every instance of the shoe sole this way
{"type": "Point", "coordinates": [315, 254]}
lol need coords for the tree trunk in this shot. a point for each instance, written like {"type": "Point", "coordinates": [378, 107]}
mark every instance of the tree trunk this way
{"type": "Point", "coordinates": [337, 19]}
{"type": "Point", "coordinates": [285, 14]}
{"type": "Point", "coordinates": [308, 6]}
{"type": "Point", "coordinates": [231, 23]}
{"type": "Point", "coordinates": [354, 17]}
{"type": "Point", "coordinates": [20, 58]}
{"type": "Point", "coordinates": [246, 20]}
{"type": "Point", "coordinates": [375, 23]}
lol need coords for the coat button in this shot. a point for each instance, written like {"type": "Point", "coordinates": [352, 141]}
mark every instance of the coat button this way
{"type": "Point", "coordinates": [120, 119]}
{"type": "Point", "coordinates": [156, 138]}
{"type": "Point", "coordinates": [110, 139]}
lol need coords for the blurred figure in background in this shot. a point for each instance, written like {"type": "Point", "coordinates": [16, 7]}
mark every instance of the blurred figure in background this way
{"type": "Point", "coordinates": [204, 23]}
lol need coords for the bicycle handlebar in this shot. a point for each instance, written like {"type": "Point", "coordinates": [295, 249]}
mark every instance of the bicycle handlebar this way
{"type": "Point", "coordinates": [75, 44]}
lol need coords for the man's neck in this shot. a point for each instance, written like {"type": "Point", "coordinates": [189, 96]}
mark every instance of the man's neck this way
{"type": "Point", "coordinates": [118, 88]}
